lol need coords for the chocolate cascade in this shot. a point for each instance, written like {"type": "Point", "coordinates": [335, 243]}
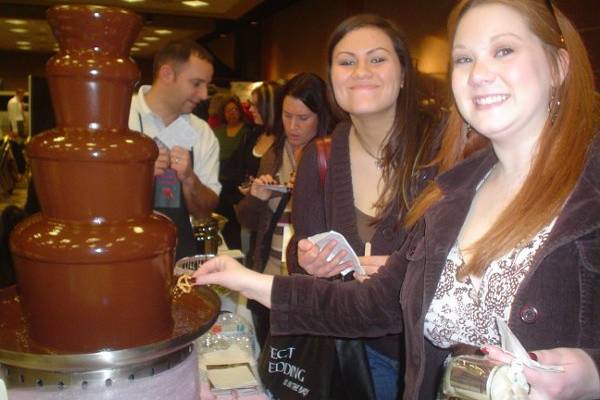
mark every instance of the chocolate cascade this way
{"type": "Point", "coordinates": [94, 268]}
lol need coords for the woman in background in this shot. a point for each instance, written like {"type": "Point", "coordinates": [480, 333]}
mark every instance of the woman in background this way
{"type": "Point", "coordinates": [233, 129]}
{"type": "Point", "coordinates": [231, 134]}
{"type": "Point", "coordinates": [242, 166]}
{"type": "Point", "coordinates": [511, 232]}
{"type": "Point", "coordinates": [304, 116]}
{"type": "Point", "coordinates": [265, 107]}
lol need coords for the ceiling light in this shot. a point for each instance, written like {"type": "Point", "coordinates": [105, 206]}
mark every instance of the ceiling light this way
{"type": "Point", "coordinates": [142, 44]}
{"type": "Point", "coordinates": [23, 43]}
{"type": "Point", "coordinates": [133, 1]}
{"type": "Point", "coordinates": [19, 30]}
{"type": "Point", "coordinates": [135, 49]}
{"type": "Point", "coordinates": [195, 3]}
{"type": "Point", "coordinates": [151, 38]}
{"type": "Point", "coordinates": [24, 47]}
{"type": "Point", "coordinates": [16, 21]}
{"type": "Point", "coordinates": [162, 31]}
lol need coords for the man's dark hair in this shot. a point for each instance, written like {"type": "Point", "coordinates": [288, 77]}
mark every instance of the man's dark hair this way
{"type": "Point", "coordinates": [178, 52]}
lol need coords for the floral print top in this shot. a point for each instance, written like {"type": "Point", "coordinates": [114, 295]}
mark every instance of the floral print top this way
{"type": "Point", "coordinates": [462, 313]}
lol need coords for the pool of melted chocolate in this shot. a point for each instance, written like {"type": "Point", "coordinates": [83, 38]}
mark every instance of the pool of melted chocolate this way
{"type": "Point", "coordinates": [192, 313]}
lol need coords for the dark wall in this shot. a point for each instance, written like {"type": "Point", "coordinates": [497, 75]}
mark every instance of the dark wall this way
{"type": "Point", "coordinates": [294, 39]}
{"type": "Point", "coordinates": [18, 65]}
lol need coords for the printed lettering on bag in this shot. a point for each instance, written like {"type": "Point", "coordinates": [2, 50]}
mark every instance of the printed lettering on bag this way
{"type": "Point", "coordinates": [288, 369]}
{"type": "Point", "coordinates": [296, 388]}
{"type": "Point", "coordinates": [284, 353]}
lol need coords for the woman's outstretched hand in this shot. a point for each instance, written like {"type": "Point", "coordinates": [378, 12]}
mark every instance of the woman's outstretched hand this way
{"type": "Point", "coordinates": [315, 261]}
{"type": "Point", "coordinates": [227, 272]}
{"type": "Point", "coordinates": [579, 380]}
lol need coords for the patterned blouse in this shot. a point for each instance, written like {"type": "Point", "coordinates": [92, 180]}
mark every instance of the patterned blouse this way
{"type": "Point", "coordinates": [464, 313]}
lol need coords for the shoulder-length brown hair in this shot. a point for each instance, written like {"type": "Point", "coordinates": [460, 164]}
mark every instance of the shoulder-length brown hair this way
{"type": "Point", "coordinates": [402, 149]}
{"type": "Point", "coordinates": [311, 90]}
{"type": "Point", "coordinates": [563, 145]}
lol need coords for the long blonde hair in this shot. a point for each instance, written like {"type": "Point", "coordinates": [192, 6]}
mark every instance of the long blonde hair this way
{"type": "Point", "coordinates": [568, 133]}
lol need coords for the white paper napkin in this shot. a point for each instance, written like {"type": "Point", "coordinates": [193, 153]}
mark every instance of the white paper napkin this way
{"type": "Point", "coordinates": [511, 344]}
{"type": "Point", "coordinates": [178, 133]}
{"type": "Point", "coordinates": [321, 240]}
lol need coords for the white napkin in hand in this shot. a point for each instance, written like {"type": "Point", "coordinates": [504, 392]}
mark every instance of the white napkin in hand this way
{"type": "Point", "coordinates": [178, 133]}
{"type": "Point", "coordinates": [511, 345]}
{"type": "Point", "coordinates": [321, 240]}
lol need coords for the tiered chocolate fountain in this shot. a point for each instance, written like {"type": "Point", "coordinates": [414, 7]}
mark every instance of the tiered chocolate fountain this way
{"type": "Point", "coordinates": [93, 302]}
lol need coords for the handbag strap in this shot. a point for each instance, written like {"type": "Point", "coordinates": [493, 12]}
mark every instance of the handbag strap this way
{"type": "Point", "coordinates": [266, 245]}
{"type": "Point", "coordinates": [323, 145]}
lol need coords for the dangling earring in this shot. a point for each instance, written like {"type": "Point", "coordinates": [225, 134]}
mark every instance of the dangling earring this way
{"type": "Point", "coordinates": [467, 129]}
{"type": "Point", "coordinates": [553, 107]}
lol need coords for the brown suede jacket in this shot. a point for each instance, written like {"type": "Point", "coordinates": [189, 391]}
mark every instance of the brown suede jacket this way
{"type": "Point", "coordinates": [557, 305]}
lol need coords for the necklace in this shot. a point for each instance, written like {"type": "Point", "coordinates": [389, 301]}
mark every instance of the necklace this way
{"type": "Point", "coordinates": [289, 152]}
{"type": "Point", "coordinates": [378, 160]}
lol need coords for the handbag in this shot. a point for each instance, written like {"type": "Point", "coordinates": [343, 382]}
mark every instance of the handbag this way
{"type": "Point", "coordinates": [316, 367]}
{"type": "Point", "coordinates": [293, 367]}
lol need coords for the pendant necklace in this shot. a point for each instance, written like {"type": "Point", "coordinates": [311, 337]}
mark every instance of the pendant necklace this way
{"type": "Point", "coordinates": [289, 151]}
{"type": "Point", "coordinates": [378, 160]}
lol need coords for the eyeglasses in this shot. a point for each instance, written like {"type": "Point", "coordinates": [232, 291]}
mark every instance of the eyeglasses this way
{"type": "Point", "coordinates": [551, 9]}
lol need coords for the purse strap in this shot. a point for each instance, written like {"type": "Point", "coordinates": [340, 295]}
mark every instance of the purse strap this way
{"type": "Point", "coordinates": [323, 145]}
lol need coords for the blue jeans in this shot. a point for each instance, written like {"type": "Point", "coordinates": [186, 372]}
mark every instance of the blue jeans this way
{"type": "Point", "coordinates": [385, 372]}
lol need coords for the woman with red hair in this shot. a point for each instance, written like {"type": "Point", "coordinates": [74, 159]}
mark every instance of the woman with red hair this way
{"type": "Point", "coordinates": [511, 233]}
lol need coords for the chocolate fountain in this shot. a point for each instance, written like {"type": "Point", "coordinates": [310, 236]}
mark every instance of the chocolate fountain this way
{"type": "Point", "coordinates": [94, 269]}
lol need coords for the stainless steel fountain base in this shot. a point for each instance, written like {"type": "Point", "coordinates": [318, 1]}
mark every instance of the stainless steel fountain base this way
{"type": "Point", "coordinates": [15, 376]}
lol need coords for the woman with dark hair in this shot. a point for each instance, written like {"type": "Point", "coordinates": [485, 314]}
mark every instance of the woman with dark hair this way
{"type": "Point", "coordinates": [511, 233]}
{"type": "Point", "coordinates": [304, 116]}
{"type": "Point", "coordinates": [265, 107]}
{"type": "Point", "coordinates": [371, 177]}
{"type": "Point", "coordinates": [243, 163]}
